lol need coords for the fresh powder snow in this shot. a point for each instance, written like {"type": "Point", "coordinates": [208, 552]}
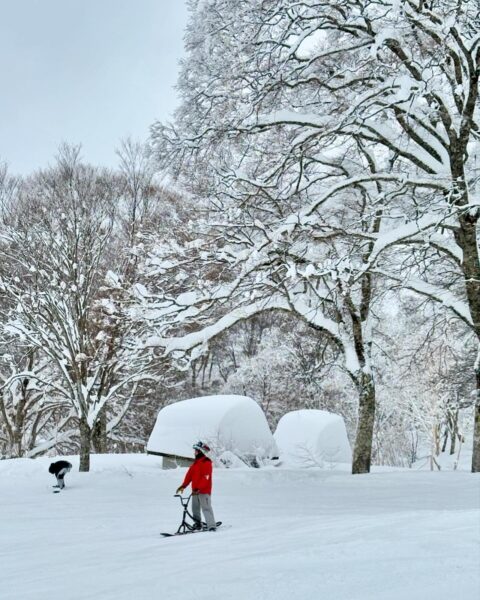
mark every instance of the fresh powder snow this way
{"type": "Point", "coordinates": [294, 534]}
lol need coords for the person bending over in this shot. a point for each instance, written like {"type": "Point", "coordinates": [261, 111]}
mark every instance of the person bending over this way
{"type": "Point", "coordinates": [59, 469]}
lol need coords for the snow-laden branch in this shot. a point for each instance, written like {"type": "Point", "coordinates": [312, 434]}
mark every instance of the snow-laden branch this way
{"type": "Point", "coordinates": [57, 438]}
{"type": "Point", "coordinates": [406, 232]}
{"type": "Point", "coordinates": [433, 292]}
{"type": "Point", "coordinates": [336, 331]}
{"type": "Point", "coordinates": [201, 338]}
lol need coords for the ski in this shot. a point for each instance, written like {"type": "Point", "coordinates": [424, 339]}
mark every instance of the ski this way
{"type": "Point", "coordinates": [203, 530]}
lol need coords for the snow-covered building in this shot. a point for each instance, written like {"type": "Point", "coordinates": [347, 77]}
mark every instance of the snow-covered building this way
{"type": "Point", "coordinates": [229, 424]}
{"type": "Point", "coordinates": [307, 438]}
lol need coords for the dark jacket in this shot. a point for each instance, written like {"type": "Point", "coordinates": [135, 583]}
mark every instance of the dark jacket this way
{"type": "Point", "coordinates": [56, 467]}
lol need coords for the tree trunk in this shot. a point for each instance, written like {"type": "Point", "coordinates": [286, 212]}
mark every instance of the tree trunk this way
{"type": "Point", "coordinates": [99, 433]}
{"type": "Point", "coordinates": [476, 427]}
{"type": "Point", "coordinates": [453, 441]}
{"type": "Point", "coordinates": [362, 452]}
{"type": "Point", "coordinates": [85, 440]}
{"type": "Point", "coordinates": [466, 238]}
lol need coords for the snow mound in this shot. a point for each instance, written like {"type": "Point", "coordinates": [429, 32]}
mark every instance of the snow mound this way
{"type": "Point", "coordinates": [227, 423]}
{"type": "Point", "coordinates": [311, 438]}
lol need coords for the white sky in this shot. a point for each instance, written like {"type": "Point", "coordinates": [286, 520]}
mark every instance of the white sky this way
{"type": "Point", "coordinates": [84, 71]}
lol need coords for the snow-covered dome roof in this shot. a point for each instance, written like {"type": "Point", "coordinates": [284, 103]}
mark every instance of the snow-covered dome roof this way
{"type": "Point", "coordinates": [235, 423]}
{"type": "Point", "coordinates": [309, 437]}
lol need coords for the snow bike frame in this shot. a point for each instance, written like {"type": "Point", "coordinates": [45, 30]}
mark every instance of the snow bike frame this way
{"type": "Point", "coordinates": [185, 525]}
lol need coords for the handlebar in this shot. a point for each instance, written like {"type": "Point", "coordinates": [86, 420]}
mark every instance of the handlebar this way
{"type": "Point", "coordinates": [183, 499]}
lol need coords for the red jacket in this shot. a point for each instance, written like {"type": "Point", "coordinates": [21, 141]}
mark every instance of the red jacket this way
{"type": "Point", "coordinates": [200, 476]}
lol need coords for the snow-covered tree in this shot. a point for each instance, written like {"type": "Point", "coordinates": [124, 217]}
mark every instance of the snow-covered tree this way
{"type": "Point", "coordinates": [279, 235]}
{"type": "Point", "coordinates": [63, 298]}
{"type": "Point", "coordinates": [33, 417]}
{"type": "Point", "coordinates": [425, 388]}
{"type": "Point", "coordinates": [298, 113]}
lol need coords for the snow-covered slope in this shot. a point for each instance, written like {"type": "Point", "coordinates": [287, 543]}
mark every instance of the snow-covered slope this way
{"type": "Point", "coordinates": [295, 535]}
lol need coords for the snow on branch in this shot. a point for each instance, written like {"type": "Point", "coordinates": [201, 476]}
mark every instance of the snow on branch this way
{"type": "Point", "coordinates": [201, 338]}
{"type": "Point", "coordinates": [435, 293]}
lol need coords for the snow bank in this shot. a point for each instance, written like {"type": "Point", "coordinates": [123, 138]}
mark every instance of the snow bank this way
{"type": "Point", "coordinates": [312, 437]}
{"type": "Point", "coordinates": [233, 423]}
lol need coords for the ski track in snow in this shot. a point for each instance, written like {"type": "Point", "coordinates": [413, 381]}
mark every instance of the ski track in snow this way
{"type": "Point", "coordinates": [296, 535]}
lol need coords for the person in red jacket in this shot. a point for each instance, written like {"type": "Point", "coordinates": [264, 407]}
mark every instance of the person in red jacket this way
{"type": "Point", "coordinates": [200, 476]}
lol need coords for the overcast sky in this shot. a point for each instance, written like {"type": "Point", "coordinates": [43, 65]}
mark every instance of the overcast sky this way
{"type": "Point", "coordinates": [84, 71]}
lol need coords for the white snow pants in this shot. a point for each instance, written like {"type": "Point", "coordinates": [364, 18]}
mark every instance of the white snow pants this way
{"type": "Point", "coordinates": [204, 502]}
{"type": "Point", "coordinates": [61, 474]}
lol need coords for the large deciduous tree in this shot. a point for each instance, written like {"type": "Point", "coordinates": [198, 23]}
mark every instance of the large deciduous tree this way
{"type": "Point", "coordinates": [63, 298]}
{"type": "Point", "coordinates": [327, 134]}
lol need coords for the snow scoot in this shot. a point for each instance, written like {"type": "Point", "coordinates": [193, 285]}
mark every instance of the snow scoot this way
{"type": "Point", "coordinates": [186, 526]}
